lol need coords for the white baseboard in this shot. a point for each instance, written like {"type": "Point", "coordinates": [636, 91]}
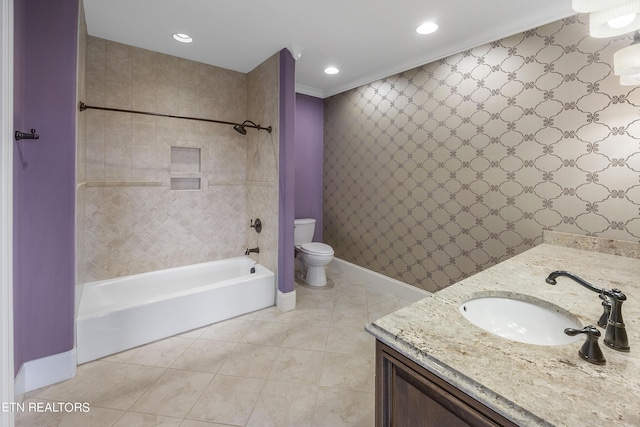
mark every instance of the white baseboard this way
{"type": "Point", "coordinates": [45, 371]}
{"type": "Point", "coordinates": [286, 301]}
{"type": "Point", "coordinates": [379, 281]}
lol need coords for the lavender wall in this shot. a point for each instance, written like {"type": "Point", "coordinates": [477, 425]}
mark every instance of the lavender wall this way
{"type": "Point", "coordinates": [287, 171]}
{"type": "Point", "coordinates": [44, 177]}
{"type": "Point", "coordinates": [308, 160]}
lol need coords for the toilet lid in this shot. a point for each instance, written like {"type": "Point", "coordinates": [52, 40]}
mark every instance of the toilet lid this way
{"type": "Point", "coordinates": [317, 248]}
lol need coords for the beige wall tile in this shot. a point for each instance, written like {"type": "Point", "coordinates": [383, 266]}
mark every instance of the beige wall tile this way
{"type": "Point", "coordinates": [136, 148]}
{"type": "Point", "coordinates": [118, 62]}
{"type": "Point", "coordinates": [189, 72]}
{"type": "Point", "coordinates": [167, 69]}
{"type": "Point", "coordinates": [144, 63]}
{"type": "Point", "coordinates": [118, 94]}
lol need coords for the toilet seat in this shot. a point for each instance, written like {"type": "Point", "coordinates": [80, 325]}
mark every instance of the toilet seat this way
{"type": "Point", "coordinates": [317, 248]}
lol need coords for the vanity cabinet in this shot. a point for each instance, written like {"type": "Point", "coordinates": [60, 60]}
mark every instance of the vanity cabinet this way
{"type": "Point", "coordinates": [407, 395]}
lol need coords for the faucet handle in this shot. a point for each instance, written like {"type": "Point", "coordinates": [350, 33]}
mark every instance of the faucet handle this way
{"type": "Point", "coordinates": [606, 311]}
{"type": "Point", "coordinates": [615, 335]}
{"type": "Point", "coordinates": [615, 294]}
{"type": "Point", "coordinates": [257, 225]}
{"type": "Point", "coordinates": [590, 350]}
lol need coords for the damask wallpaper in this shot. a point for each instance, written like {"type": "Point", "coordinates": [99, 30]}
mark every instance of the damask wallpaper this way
{"type": "Point", "coordinates": [441, 171]}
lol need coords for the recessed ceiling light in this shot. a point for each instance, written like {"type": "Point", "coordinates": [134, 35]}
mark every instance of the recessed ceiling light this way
{"type": "Point", "coordinates": [182, 38]}
{"type": "Point", "coordinates": [427, 28]}
{"type": "Point", "coordinates": [331, 70]}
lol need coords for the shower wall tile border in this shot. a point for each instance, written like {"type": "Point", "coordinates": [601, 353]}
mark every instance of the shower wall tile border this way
{"type": "Point", "coordinates": [123, 184]}
{"type": "Point", "coordinates": [213, 183]}
{"type": "Point", "coordinates": [261, 183]}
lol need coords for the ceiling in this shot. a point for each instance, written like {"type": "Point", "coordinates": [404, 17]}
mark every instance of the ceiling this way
{"type": "Point", "coordinates": [365, 39]}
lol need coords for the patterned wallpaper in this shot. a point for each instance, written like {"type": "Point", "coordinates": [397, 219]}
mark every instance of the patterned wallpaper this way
{"type": "Point", "coordinates": [441, 171]}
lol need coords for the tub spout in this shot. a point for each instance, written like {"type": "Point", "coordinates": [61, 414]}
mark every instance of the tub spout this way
{"type": "Point", "coordinates": [252, 250]}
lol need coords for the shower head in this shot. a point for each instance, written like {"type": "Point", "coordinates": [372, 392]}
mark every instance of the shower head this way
{"type": "Point", "coordinates": [242, 128]}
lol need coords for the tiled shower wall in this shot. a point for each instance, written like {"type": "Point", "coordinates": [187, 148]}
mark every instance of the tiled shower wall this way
{"type": "Point", "coordinates": [439, 172]}
{"type": "Point", "coordinates": [134, 221]}
{"type": "Point", "coordinates": [80, 156]}
{"type": "Point", "coordinates": [262, 159]}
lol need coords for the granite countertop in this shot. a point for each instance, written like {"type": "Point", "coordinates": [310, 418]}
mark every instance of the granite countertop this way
{"type": "Point", "coordinates": [529, 384]}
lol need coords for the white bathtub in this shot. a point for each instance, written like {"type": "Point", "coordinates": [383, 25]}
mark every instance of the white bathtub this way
{"type": "Point", "coordinates": [118, 314]}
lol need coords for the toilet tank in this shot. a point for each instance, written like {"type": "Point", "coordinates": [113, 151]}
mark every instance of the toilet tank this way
{"type": "Point", "coordinates": [303, 230]}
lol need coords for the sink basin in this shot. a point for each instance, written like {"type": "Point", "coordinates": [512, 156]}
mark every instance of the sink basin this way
{"type": "Point", "coordinates": [520, 318]}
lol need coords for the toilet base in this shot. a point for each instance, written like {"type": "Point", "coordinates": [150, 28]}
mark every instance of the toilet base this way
{"type": "Point", "coordinates": [316, 276]}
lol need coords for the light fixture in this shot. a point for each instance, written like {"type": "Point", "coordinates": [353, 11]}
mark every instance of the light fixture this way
{"type": "Point", "coordinates": [630, 80]}
{"type": "Point", "coordinates": [627, 61]}
{"type": "Point", "coordinates": [427, 28]}
{"type": "Point", "coordinates": [615, 21]}
{"type": "Point", "coordinates": [622, 21]}
{"type": "Point", "coordinates": [587, 6]}
{"type": "Point", "coordinates": [331, 70]}
{"type": "Point", "coordinates": [610, 18]}
{"type": "Point", "coordinates": [182, 38]}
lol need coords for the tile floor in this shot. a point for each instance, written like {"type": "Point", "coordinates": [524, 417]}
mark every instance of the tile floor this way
{"type": "Point", "coordinates": [313, 366]}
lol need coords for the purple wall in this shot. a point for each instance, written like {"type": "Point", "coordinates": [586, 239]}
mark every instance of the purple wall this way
{"type": "Point", "coordinates": [286, 248]}
{"type": "Point", "coordinates": [309, 160]}
{"type": "Point", "coordinates": [44, 177]}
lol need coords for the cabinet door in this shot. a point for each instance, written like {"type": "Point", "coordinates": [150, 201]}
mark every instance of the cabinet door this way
{"type": "Point", "coordinates": [408, 395]}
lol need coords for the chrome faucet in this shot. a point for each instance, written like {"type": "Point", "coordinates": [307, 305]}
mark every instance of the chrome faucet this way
{"type": "Point", "coordinates": [252, 250]}
{"type": "Point", "coordinates": [615, 335]}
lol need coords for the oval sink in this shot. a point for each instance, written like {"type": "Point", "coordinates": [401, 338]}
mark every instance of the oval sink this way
{"type": "Point", "coordinates": [520, 318]}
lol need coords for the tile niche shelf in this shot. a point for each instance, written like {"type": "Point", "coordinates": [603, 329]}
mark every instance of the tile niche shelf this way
{"type": "Point", "coordinates": [185, 168]}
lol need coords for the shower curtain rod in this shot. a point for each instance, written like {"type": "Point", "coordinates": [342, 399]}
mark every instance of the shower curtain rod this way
{"type": "Point", "coordinates": [239, 127]}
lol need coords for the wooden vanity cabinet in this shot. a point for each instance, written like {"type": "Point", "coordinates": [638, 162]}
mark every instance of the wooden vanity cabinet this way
{"type": "Point", "coordinates": [407, 395]}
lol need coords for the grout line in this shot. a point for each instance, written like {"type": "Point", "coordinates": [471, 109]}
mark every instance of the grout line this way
{"type": "Point", "coordinates": [213, 377]}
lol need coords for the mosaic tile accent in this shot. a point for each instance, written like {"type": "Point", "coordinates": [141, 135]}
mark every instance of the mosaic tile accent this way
{"type": "Point", "coordinates": [441, 171]}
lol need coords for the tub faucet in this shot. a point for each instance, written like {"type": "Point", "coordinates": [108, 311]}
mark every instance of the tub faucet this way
{"type": "Point", "coordinates": [252, 250]}
{"type": "Point", "coordinates": [615, 335]}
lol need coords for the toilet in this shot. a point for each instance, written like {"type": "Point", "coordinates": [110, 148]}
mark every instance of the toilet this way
{"type": "Point", "coordinates": [315, 255]}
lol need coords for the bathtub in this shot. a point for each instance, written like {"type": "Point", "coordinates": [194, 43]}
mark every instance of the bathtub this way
{"type": "Point", "coordinates": [122, 313]}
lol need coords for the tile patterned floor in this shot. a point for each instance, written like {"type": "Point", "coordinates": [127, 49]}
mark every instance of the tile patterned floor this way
{"type": "Point", "coordinates": [313, 366]}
